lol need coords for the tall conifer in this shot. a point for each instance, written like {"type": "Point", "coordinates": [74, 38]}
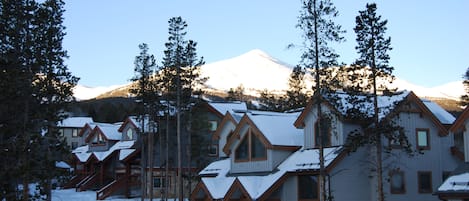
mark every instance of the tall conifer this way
{"type": "Point", "coordinates": [319, 29]}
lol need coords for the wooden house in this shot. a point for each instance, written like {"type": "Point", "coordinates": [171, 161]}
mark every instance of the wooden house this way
{"type": "Point", "coordinates": [287, 173]}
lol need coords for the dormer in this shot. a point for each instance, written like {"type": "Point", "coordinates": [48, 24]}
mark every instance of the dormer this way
{"type": "Point", "coordinates": [261, 141]}
{"type": "Point", "coordinates": [225, 130]}
{"type": "Point", "coordinates": [103, 136]}
{"type": "Point", "coordinates": [331, 123]}
{"type": "Point", "coordinates": [129, 129]}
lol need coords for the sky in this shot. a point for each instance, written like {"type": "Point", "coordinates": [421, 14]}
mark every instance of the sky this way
{"type": "Point", "coordinates": [430, 38]}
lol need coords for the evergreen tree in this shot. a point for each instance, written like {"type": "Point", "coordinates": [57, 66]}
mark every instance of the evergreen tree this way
{"type": "Point", "coordinates": [465, 98]}
{"type": "Point", "coordinates": [147, 95]}
{"type": "Point", "coordinates": [272, 102]}
{"type": "Point", "coordinates": [296, 94]}
{"type": "Point", "coordinates": [319, 29]}
{"type": "Point", "coordinates": [236, 94]}
{"type": "Point", "coordinates": [370, 76]}
{"type": "Point", "coordinates": [179, 77]}
{"type": "Point", "coordinates": [36, 88]}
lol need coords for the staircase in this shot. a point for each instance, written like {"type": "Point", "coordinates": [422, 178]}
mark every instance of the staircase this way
{"type": "Point", "coordinates": [73, 181]}
{"type": "Point", "coordinates": [87, 182]}
{"type": "Point", "coordinates": [107, 190]}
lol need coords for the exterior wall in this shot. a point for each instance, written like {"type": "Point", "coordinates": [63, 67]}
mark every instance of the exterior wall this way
{"type": "Point", "coordinates": [227, 128]}
{"type": "Point", "coordinates": [253, 166]}
{"type": "Point", "coordinates": [349, 180]}
{"type": "Point", "coordinates": [437, 159]}
{"type": "Point", "coordinates": [134, 133]}
{"type": "Point", "coordinates": [337, 137]}
{"type": "Point", "coordinates": [289, 189]}
{"type": "Point", "coordinates": [68, 134]}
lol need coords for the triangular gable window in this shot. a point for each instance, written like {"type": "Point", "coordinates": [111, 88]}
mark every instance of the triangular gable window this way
{"type": "Point", "coordinates": [250, 148]}
{"type": "Point", "coordinates": [98, 139]}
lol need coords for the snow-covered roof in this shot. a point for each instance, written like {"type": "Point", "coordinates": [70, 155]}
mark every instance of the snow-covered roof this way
{"type": "Point", "coordinates": [124, 153]}
{"type": "Point", "coordinates": [111, 131]}
{"type": "Point", "coordinates": [385, 103]}
{"type": "Point", "coordinates": [101, 155]}
{"type": "Point", "coordinates": [456, 183]}
{"type": "Point", "coordinates": [256, 186]}
{"type": "Point", "coordinates": [278, 128]}
{"type": "Point", "coordinates": [62, 165]}
{"type": "Point", "coordinates": [224, 107]}
{"type": "Point", "coordinates": [441, 114]}
{"type": "Point", "coordinates": [75, 122]}
{"type": "Point", "coordinates": [125, 148]}
{"type": "Point", "coordinates": [137, 122]}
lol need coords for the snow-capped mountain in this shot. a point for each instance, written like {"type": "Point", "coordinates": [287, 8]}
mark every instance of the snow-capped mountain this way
{"type": "Point", "coordinates": [257, 71]}
{"type": "Point", "coordinates": [85, 93]}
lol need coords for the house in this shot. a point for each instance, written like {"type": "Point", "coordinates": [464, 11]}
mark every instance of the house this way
{"type": "Point", "coordinates": [108, 162]}
{"type": "Point", "coordinates": [282, 170]}
{"type": "Point", "coordinates": [206, 116]}
{"type": "Point", "coordinates": [456, 186]}
{"type": "Point", "coordinates": [69, 129]}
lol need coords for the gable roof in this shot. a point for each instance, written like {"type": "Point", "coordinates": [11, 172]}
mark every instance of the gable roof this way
{"type": "Point", "coordinates": [109, 131]}
{"type": "Point", "coordinates": [230, 117]}
{"type": "Point", "coordinates": [460, 121]}
{"type": "Point", "coordinates": [275, 129]}
{"type": "Point", "coordinates": [387, 108]}
{"type": "Point", "coordinates": [221, 108]}
{"type": "Point", "coordinates": [75, 122]}
{"type": "Point", "coordinates": [257, 186]}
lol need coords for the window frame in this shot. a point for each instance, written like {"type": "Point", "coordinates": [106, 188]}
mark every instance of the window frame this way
{"type": "Point", "coordinates": [212, 125]}
{"type": "Point", "coordinates": [162, 182]}
{"type": "Point", "coordinates": [419, 184]}
{"type": "Point", "coordinates": [417, 137]}
{"type": "Point", "coordinates": [75, 132]}
{"type": "Point", "coordinates": [212, 147]}
{"type": "Point", "coordinates": [248, 136]}
{"type": "Point", "coordinates": [393, 190]}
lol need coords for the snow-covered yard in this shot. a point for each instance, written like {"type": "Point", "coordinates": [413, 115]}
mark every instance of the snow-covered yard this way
{"type": "Point", "coordinates": [72, 195]}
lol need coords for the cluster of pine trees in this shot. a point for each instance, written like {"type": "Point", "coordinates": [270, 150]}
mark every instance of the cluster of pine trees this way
{"type": "Point", "coordinates": [35, 87]}
{"type": "Point", "coordinates": [359, 80]}
{"type": "Point", "coordinates": [160, 89]}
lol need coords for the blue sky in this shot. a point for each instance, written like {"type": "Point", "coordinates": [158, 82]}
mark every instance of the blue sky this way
{"type": "Point", "coordinates": [430, 38]}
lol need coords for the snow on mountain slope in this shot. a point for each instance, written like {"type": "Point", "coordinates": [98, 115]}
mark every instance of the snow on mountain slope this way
{"type": "Point", "coordinates": [452, 90]}
{"type": "Point", "coordinates": [256, 71]}
{"type": "Point", "coordinates": [85, 93]}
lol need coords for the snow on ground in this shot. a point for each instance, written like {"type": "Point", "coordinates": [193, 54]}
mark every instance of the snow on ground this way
{"type": "Point", "coordinates": [72, 195]}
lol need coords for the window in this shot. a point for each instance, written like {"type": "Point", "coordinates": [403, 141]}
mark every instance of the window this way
{"type": "Point", "coordinates": [213, 150]}
{"type": "Point", "coordinates": [129, 134]}
{"type": "Point", "coordinates": [74, 145]}
{"type": "Point", "coordinates": [397, 182]}
{"type": "Point", "coordinates": [423, 139]}
{"type": "Point", "coordinates": [325, 132]}
{"type": "Point", "coordinates": [159, 182]}
{"type": "Point", "coordinates": [241, 152]}
{"type": "Point", "coordinates": [98, 139]}
{"type": "Point", "coordinates": [75, 132]}
{"type": "Point", "coordinates": [61, 132]}
{"type": "Point", "coordinates": [425, 182]}
{"type": "Point", "coordinates": [308, 188]}
{"type": "Point", "coordinates": [212, 125]}
{"type": "Point", "coordinates": [250, 148]}
{"type": "Point", "coordinates": [257, 148]}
